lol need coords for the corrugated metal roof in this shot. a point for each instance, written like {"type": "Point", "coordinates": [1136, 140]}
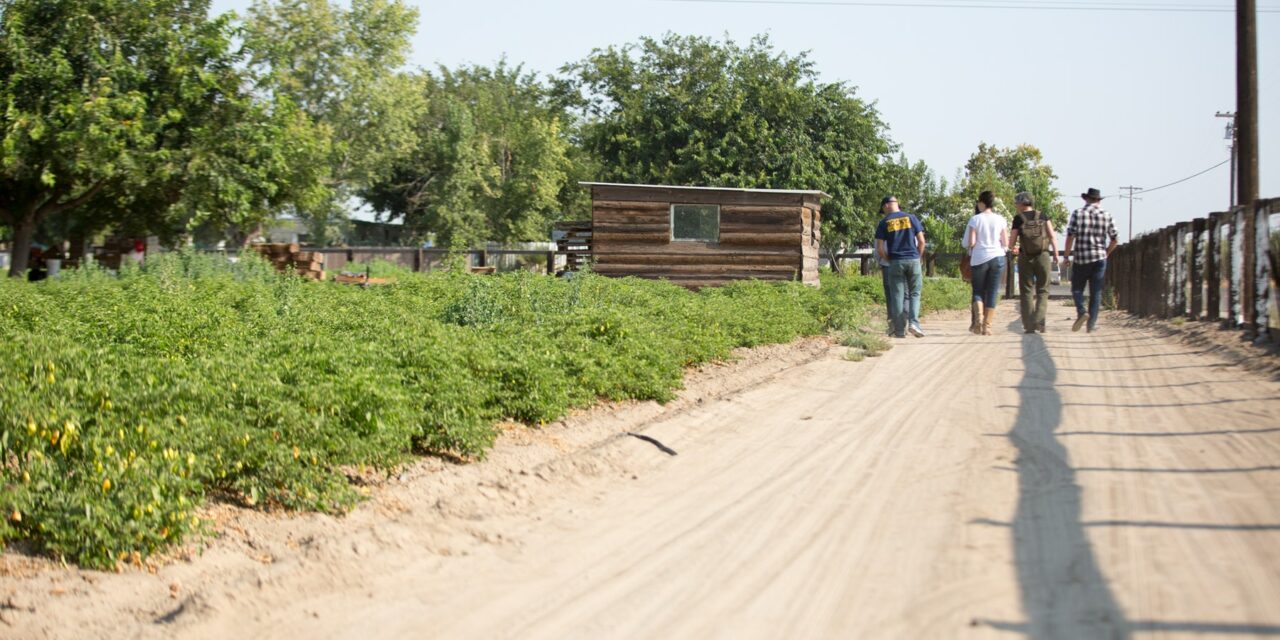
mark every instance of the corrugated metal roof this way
{"type": "Point", "coordinates": [671, 186]}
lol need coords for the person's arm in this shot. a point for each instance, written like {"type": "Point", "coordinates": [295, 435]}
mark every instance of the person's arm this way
{"type": "Point", "coordinates": [1066, 253]}
{"type": "Point", "coordinates": [1013, 241]}
{"type": "Point", "coordinates": [883, 250]}
{"type": "Point", "coordinates": [1004, 238]}
{"type": "Point", "coordinates": [1053, 240]}
{"type": "Point", "coordinates": [971, 238]}
{"type": "Point", "coordinates": [1111, 231]}
{"type": "Point", "coordinates": [920, 243]}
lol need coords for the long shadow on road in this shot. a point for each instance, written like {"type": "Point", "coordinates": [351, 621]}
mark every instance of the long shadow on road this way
{"type": "Point", "coordinates": [1064, 593]}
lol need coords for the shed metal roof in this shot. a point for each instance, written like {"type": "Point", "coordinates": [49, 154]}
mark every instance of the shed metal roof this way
{"type": "Point", "coordinates": [798, 192]}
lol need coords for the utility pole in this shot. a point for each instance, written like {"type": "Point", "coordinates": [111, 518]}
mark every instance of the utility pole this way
{"type": "Point", "coordinates": [1230, 135]}
{"type": "Point", "coordinates": [1247, 98]}
{"type": "Point", "coordinates": [1247, 143]}
{"type": "Point", "coordinates": [1131, 199]}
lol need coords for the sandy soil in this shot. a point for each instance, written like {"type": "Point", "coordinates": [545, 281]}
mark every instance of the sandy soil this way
{"type": "Point", "coordinates": [1106, 485]}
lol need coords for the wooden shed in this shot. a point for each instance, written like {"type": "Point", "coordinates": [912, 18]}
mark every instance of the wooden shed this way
{"type": "Point", "coordinates": [705, 236]}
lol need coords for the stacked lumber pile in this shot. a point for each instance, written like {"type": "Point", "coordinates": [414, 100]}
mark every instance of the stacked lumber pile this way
{"type": "Point", "coordinates": [290, 258]}
{"type": "Point", "coordinates": [573, 238]}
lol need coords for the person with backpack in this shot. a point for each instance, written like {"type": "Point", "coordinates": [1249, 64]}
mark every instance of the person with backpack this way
{"type": "Point", "coordinates": [1032, 238]}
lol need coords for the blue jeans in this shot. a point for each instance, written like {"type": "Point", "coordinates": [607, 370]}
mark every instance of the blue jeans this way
{"type": "Point", "coordinates": [1094, 274]}
{"type": "Point", "coordinates": [904, 280]}
{"type": "Point", "coordinates": [986, 281]}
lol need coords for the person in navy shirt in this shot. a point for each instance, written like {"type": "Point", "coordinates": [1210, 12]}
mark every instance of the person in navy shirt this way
{"type": "Point", "coordinates": [899, 244]}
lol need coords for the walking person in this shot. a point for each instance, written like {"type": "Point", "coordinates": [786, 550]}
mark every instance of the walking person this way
{"type": "Point", "coordinates": [1091, 237]}
{"type": "Point", "coordinates": [1032, 238]}
{"type": "Point", "coordinates": [900, 243]}
{"type": "Point", "coordinates": [987, 240]}
{"type": "Point", "coordinates": [884, 282]}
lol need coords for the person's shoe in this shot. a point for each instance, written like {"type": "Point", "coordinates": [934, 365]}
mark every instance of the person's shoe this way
{"type": "Point", "coordinates": [1029, 331]}
{"type": "Point", "coordinates": [915, 330]}
{"type": "Point", "coordinates": [1080, 322]}
{"type": "Point", "coordinates": [1040, 327]}
{"type": "Point", "coordinates": [1092, 328]}
{"type": "Point", "coordinates": [988, 317]}
{"type": "Point", "coordinates": [899, 335]}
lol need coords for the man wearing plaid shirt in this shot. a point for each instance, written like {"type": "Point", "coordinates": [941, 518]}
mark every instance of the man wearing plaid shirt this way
{"type": "Point", "coordinates": [1092, 233]}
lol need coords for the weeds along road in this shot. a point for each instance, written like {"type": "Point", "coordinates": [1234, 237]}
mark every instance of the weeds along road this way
{"type": "Point", "coordinates": [1111, 485]}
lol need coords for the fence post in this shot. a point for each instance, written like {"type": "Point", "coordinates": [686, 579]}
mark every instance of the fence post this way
{"type": "Point", "coordinates": [1212, 268]}
{"type": "Point", "coordinates": [1262, 269]}
{"type": "Point", "coordinates": [1194, 263]}
{"type": "Point", "coordinates": [862, 265]}
{"type": "Point", "coordinates": [1180, 269]}
{"type": "Point", "coordinates": [551, 263]}
{"type": "Point", "coordinates": [1157, 274]}
{"type": "Point", "coordinates": [1235, 308]}
{"type": "Point", "coordinates": [419, 263]}
{"type": "Point", "coordinates": [482, 258]}
{"type": "Point", "coordinates": [1249, 267]}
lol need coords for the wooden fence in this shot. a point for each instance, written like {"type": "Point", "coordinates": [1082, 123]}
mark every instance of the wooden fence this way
{"type": "Point", "coordinates": [1203, 269]}
{"type": "Point", "coordinates": [336, 259]}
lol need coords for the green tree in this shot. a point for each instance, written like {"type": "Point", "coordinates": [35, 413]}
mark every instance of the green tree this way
{"type": "Point", "coordinates": [341, 68]}
{"type": "Point", "coordinates": [687, 110]}
{"type": "Point", "coordinates": [1007, 171]}
{"type": "Point", "coordinates": [104, 102]}
{"type": "Point", "coordinates": [493, 160]}
{"type": "Point", "coordinates": [920, 191]}
{"type": "Point", "coordinates": [139, 116]}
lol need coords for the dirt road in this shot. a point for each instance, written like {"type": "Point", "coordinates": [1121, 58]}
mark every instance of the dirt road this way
{"type": "Point", "coordinates": [1110, 485]}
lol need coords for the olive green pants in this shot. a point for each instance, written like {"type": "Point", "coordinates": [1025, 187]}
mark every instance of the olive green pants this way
{"type": "Point", "coordinates": [1033, 289]}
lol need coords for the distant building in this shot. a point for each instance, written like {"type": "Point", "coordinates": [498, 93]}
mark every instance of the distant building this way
{"type": "Point", "coordinates": [705, 236]}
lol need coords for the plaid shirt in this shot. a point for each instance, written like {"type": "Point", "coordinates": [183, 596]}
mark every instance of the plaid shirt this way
{"type": "Point", "coordinates": [1093, 230]}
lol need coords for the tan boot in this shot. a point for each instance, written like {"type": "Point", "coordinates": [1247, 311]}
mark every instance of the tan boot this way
{"type": "Point", "coordinates": [975, 315]}
{"type": "Point", "coordinates": [988, 317]}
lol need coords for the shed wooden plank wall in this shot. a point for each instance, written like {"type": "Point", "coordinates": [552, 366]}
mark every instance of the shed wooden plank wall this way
{"type": "Point", "coordinates": [762, 236]}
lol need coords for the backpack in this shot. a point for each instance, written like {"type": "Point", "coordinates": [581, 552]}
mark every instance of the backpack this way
{"type": "Point", "coordinates": [1034, 234]}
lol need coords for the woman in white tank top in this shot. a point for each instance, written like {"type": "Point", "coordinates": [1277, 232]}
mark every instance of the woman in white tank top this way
{"type": "Point", "coordinates": [987, 240]}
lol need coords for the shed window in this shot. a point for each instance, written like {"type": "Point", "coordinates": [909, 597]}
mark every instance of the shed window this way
{"type": "Point", "coordinates": [695, 222]}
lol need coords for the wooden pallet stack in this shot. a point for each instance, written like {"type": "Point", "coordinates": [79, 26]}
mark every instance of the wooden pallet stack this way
{"type": "Point", "coordinates": [573, 238]}
{"type": "Point", "coordinates": [288, 257]}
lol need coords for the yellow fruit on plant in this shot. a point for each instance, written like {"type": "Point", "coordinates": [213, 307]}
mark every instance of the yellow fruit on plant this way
{"type": "Point", "coordinates": [16, 516]}
{"type": "Point", "coordinates": [106, 485]}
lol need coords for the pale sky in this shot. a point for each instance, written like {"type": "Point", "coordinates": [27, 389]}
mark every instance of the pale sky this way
{"type": "Point", "coordinates": [1112, 98]}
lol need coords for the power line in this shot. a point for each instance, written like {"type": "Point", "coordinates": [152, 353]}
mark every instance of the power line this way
{"type": "Point", "coordinates": [1021, 5]}
{"type": "Point", "coordinates": [1194, 175]}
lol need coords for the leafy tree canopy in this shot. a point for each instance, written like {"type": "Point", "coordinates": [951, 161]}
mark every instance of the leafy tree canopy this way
{"type": "Point", "coordinates": [342, 68]}
{"type": "Point", "coordinates": [117, 110]}
{"type": "Point", "coordinates": [1007, 171]}
{"type": "Point", "coordinates": [493, 161]}
{"type": "Point", "coordinates": [687, 110]}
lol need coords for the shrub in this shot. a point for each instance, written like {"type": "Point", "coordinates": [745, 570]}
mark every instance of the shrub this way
{"type": "Point", "coordinates": [125, 402]}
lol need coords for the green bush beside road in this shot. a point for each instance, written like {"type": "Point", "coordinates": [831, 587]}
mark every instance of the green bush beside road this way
{"type": "Point", "coordinates": [126, 402]}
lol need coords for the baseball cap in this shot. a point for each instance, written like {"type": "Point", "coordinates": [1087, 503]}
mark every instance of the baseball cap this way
{"type": "Point", "coordinates": [886, 200]}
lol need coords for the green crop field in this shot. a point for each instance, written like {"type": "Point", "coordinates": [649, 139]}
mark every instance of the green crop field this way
{"type": "Point", "coordinates": [126, 402]}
